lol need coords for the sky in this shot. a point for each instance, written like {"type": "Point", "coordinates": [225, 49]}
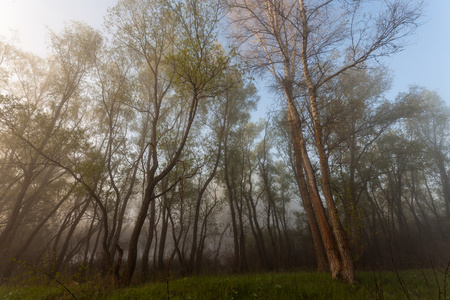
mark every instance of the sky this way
{"type": "Point", "coordinates": [424, 62]}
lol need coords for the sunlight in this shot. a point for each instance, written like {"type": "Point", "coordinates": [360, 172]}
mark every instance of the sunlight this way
{"type": "Point", "coordinates": [27, 22]}
{"type": "Point", "coordinates": [22, 22]}
{"type": "Point", "coordinates": [8, 18]}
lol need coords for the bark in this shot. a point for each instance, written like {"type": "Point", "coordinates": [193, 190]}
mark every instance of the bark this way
{"type": "Point", "coordinates": [163, 234]}
{"type": "Point", "coordinates": [203, 235]}
{"type": "Point", "coordinates": [94, 249]}
{"type": "Point", "coordinates": [271, 214]}
{"type": "Point", "coordinates": [13, 219]}
{"type": "Point", "coordinates": [146, 251]}
{"type": "Point", "coordinates": [302, 159]}
{"type": "Point", "coordinates": [348, 273]}
{"type": "Point", "coordinates": [176, 239]}
{"type": "Point", "coordinates": [322, 263]}
{"type": "Point", "coordinates": [243, 265]}
{"type": "Point", "coordinates": [230, 198]}
{"type": "Point", "coordinates": [287, 237]}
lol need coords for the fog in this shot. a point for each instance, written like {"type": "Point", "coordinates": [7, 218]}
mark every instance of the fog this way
{"type": "Point", "coordinates": [132, 150]}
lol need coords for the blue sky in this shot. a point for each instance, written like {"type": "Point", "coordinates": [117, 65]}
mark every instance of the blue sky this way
{"type": "Point", "coordinates": [424, 62]}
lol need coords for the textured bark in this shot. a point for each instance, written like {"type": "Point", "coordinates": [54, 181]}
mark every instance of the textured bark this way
{"type": "Point", "coordinates": [300, 154]}
{"type": "Point", "coordinates": [348, 273]}
{"type": "Point", "coordinates": [322, 263]}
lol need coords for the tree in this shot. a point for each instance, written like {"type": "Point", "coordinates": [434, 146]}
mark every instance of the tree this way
{"type": "Point", "coordinates": [239, 137]}
{"type": "Point", "coordinates": [284, 34]}
{"type": "Point", "coordinates": [356, 115]}
{"type": "Point", "coordinates": [219, 116]}
{"type": "Point", "coordinates": [179, 62]}
{"type": "Point", "coordinates": [431, 126]}
{"type": "Point", "coordinates": [41, 116]}
{"type": "Point", "coordinates": [285, 148]}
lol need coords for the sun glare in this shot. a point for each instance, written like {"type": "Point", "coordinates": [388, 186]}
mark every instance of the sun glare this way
{"type": "Point", "coordinates": [8, 17]}
{"type": "Point", "coordinates": [22, 22]}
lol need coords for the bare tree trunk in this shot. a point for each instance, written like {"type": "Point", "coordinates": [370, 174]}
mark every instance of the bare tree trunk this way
{"type": "Point", "coordinates": [231, 201]}
{"type": "Point", "coordinates": [287, 237]}
{"type": "Point", "coordinates": [94, 249]}
{"type": "Point", "coordinates": [152, 181]}
{"type": "Point", "coordinates": [348, 272]}
{"type": "Point", "coordinates": [146, 251]}
{"type": "Point", "coordinates": [234, 226]}
{"type": "Point", "coordinates": [163, 234]}
{"type": "Point", "coordinates": [177, 239]}
{"type": "Point", "coordinates": [7, 271]}
{"type": "Point", "coordinates": [275, 249]}
{"type": "Point", "coordinates": [243, 265]}
{"type": "Point", "coordinates": [302, 159]}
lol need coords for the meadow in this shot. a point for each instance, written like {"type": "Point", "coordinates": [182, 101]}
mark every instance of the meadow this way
{"type": "Point", "coordinates": [411, 284]}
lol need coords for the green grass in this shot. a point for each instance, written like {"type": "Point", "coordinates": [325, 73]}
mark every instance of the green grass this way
{"type": "Point", "coordinates": [370, 285]}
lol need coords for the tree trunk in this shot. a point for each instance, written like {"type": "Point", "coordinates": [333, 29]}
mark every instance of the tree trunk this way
{"type": "Point", "coordinates": [163, 235]}
{"type": "Point", "coordinates": [146, 252]}
{"type": "Point", "coordinates": [66, 244]}
{"type": "Point", "coordinates": [348, 273]}
{"type": "Point", "coordinates": [302, 159]}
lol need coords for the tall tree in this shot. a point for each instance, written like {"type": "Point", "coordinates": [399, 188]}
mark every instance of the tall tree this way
{"type": "Point", "coordinates": [175, 48]}
{"type": "Point", "coordinates": [43, 115]}
{"type": "Point", "coordinates": [238, 136]}
{"type": "Point", "coordinates": [283, 35]}
{"type": "Point", "coordinates": [432, 126]}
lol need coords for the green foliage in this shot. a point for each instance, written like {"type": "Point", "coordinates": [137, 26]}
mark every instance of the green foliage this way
{"type": "Point", "coordinates": [75, 48]}
{"type": "Point", "coordinates": [199, 59]}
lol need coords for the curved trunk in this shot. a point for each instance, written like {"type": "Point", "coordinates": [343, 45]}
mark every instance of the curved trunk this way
{"type": "Point", "coordinates": [322, 263]}
{"type": "Point", "coordinates": [133, 245]}
{"type": "Point", "coordinates": [341, 238]}
{"type": "Point", "coordinates": [302, 158]}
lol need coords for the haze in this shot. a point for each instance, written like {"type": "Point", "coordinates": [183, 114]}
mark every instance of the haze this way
{"type": "Point", "coordinates": [136, 150]}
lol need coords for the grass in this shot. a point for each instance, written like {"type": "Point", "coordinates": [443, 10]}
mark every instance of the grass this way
{"type": "Point", "coordinates": [414, 284]}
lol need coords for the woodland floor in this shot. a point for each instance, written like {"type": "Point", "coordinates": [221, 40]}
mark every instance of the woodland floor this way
{"type": "Point", "coordinates": [411, 284]}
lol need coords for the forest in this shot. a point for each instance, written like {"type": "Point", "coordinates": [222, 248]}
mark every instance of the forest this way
{"type": "Point", "coordinates": [132, 150]}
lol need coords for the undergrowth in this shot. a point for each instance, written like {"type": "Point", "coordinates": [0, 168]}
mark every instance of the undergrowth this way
{"type": "Point", "coordinates": [419, 284]}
